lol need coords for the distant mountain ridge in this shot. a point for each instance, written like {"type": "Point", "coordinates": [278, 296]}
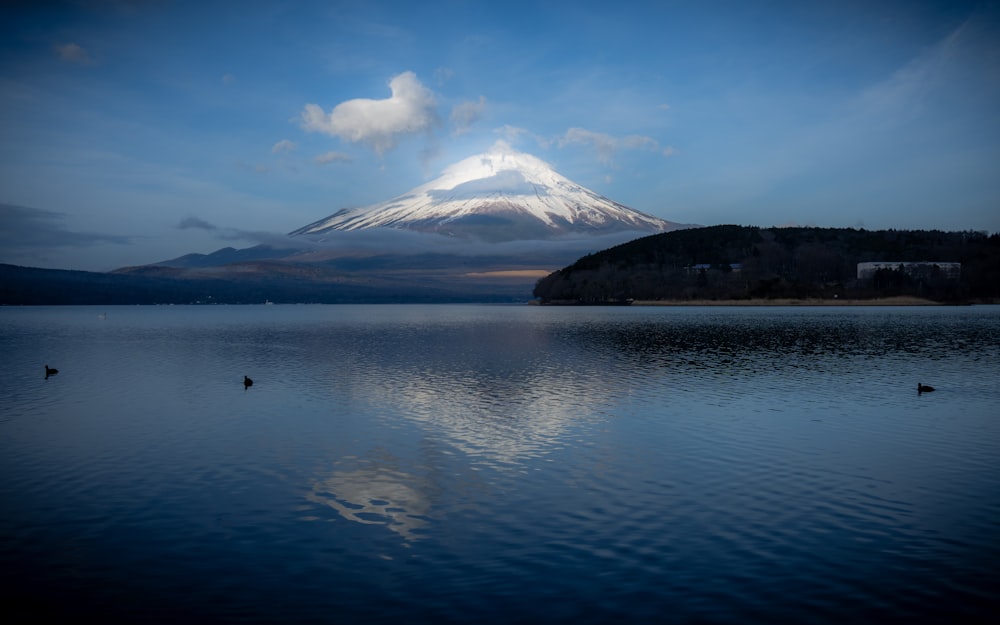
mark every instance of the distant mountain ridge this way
{"type": "Point", "coordinates": [229, 255]}
{"type": "Point", "coordinates": [718, 262]}
{"type": "Point", "coordinates": [485, 230]}
{"type": "Point", "coordinates": [500, 195]}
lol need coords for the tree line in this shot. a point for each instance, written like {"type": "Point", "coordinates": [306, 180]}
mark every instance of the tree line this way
{"type": "Point", "coordinates": [749, 262]}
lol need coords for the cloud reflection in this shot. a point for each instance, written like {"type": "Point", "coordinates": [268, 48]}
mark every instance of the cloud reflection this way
{"type": "Point", "coordinates": [375, 496]}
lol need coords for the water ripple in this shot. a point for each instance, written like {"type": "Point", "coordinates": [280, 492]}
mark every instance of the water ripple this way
{"type": "Point", "coordinates": [496, 464]}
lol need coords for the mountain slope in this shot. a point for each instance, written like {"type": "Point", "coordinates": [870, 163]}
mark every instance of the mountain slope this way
{"type": "Point", "coordinates": [500, 195]}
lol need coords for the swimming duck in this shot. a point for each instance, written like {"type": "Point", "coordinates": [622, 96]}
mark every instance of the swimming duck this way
{"type": "Point", "coordinates": [50, 371]}
{"type": "Point", "coordinates": [923, 388]}
{"type": "Point", "coordinates": [247, 382]}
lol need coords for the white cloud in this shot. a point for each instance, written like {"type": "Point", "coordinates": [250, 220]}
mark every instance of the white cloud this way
{"type": "Point", "coordinates": [228, 79]}
{"type": "Point", "coordinates": [284, 145]}
{"type": "Point", "coordinates": [467, 113]}
{"type": "Point", "coordinates": [332, 157]}
{"type": "Point", "coordinates": [378, 124]}
{"type": "Point", "coordinates": [73, 53]}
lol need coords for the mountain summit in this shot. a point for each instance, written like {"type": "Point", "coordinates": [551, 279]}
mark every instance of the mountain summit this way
{"type": "Point", "coordinates": [500, 195]}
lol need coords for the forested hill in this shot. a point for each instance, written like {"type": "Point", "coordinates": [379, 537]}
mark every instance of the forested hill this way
{"type": "Point", "coordinates": [747, 262]}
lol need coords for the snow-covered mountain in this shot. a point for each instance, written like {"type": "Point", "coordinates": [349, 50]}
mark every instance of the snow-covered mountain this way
{"type": "Point", "coordinates": [500, 195]}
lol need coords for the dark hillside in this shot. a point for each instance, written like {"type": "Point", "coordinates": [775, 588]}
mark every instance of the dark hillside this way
{"type": "Point", "coordinates": [747, 262]}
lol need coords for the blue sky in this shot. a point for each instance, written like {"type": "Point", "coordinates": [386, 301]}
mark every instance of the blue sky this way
{"type": "Point", "coordinates": [133, 131]}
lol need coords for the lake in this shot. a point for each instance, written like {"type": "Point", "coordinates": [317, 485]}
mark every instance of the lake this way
{"type": "Point", "coordinates": [499, 464]}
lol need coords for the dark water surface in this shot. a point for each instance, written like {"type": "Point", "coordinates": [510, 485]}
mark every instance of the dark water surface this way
{"type": "Point", "coordinates": [468, 464]}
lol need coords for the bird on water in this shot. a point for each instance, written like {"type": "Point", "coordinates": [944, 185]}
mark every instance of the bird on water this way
{"type": "Point", "coordinates": [923, 388]}
{"type": "Point", "coordinates": [247, 383]}
{"type": "Point", "coordinates": [50, 371]}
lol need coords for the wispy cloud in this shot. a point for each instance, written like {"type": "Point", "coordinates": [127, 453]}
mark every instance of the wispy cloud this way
{"type": "Point", "coordinates": [379, 124]}
{"type": "Point", "coordinates": [443, 75]}
{"type": "Point", "coordinates": [72, 53]}
{"type": "Point", "coordinates": [26, 232]}
{"type": "Point", "coordinates": [639, 142]}
{"type": "Point", "coordinates": [332, 157]}
{"type": "Point", "coordinates": [256, 168]}
{"type": "Point", "coordinates": [467, 113]}
{"type": "Point", "coordinates": [963, 63]}
{"type": "Point", "coordinates": [196, 223]}
{"type": "Point", "coordinates": [605, 145]}
{"type": "Point", "coordinates": [907, 116]}
{"type": "Point", "coordinates": [514, 135]}
{"type": "Point", "coordinates": [236, 234]}
{"type": "Point", "coordinates": [285, 145]}
{"type": "Point", "coordinates": [901, 95]}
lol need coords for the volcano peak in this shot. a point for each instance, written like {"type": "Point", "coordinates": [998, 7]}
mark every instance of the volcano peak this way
{"type": "Point", "coordinates": [499, 195]}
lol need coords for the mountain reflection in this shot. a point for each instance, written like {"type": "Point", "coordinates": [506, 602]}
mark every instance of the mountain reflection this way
{"type": "Point", "coordinates": [512, 398]}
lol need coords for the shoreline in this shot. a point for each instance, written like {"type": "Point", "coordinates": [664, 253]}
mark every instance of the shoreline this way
{"type": "Point", "coordinates": [885, 301]}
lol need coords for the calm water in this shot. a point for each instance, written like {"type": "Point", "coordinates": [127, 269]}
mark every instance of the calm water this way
{"type": "Point", "coordinates": [501, 464]}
